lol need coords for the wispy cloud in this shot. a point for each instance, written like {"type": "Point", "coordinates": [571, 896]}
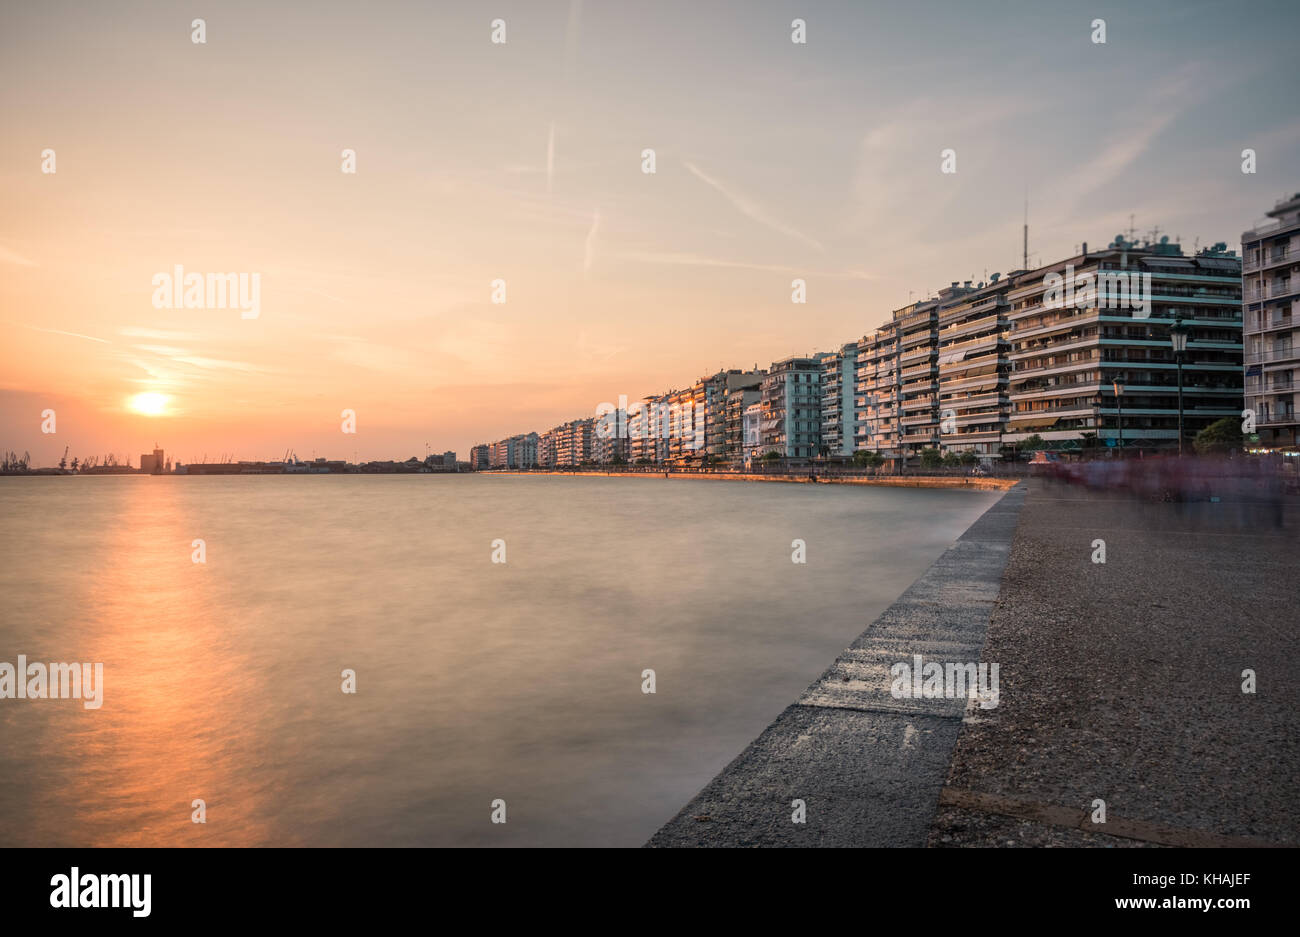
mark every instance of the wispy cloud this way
{"type": "Point", "coordinates": [217, 364]}
{"type": "Point", "coordinates": [589, 247]}
{"type": "Point", "coordinates": [550, 156]}
{"type": "Point", "coordinates": [9, 257]}
{"type": "Point", "coordinates": [1162, 106]}
{"type": "Point", "coordinates": [167, 335]}
{"type": "Point", "coordinates": [698, 260]}
{"type": "Point", "coordinates": [750, 208]}
{"type": "Point", "coordinates": [89, 338]}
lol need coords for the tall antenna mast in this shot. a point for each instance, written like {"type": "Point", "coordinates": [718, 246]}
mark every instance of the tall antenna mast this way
{"type": "Point", "coordinates": [1025, 241]}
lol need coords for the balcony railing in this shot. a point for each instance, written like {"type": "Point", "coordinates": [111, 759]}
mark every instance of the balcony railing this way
{"type": "Point", "coordinates": [1276, 353]}
{"type": "Point", "coordinates": [916, 354]}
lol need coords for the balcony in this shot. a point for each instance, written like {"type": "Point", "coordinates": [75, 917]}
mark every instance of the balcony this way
{"type": "Point", "coordinates": [1273, 290]}
{"type": "Point", "coordinates": [1277, 256]}
{"type": "Point", "coordinates": [1275, 322]}
{"type": "Point", "coordinates": [968, 403]}
{"type": "Point", "coordinates": [970, 326]}
{"type": "Point", "coordinates": [1256, 387]}
{"type": "Point", "coordinates": [971, 346]}
{"type": "Point", "coordinates": [1041, 364]}
{"type": "Point", "coordinates": [1273, 417]}
{"type": "Point", "coordinates": [1277, 353]}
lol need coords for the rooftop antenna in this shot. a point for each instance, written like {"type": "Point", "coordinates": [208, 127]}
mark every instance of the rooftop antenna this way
{"type": "Point", "coordinates": [1025, 242]}
{"type": "Point", "coordinates": [1132, 231]}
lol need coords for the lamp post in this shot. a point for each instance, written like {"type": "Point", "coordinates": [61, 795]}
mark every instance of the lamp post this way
{"type": "Point", "coordinates": [1178, 339]}
{"type": "Point", "coordinates": [1097, 401]}
{"type": "Point", "coordinates": [1119, 418]}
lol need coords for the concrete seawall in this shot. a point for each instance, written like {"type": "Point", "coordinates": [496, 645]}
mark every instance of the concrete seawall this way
{"type": "Point", "coordinates": [888, 481]}
{"type": "Point", "coordinates": [868, 767]}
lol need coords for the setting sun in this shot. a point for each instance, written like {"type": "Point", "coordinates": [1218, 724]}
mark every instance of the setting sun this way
{"type": "Point", "coordinates": [149, 404]}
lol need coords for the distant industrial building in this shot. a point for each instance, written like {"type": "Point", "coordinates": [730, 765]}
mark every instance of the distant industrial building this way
{"type": "Point", "coordinates": [152, 463]}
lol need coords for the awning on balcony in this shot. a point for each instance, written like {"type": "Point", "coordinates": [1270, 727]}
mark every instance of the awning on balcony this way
{"type": "Point", "coordinates": [1218, 263]}
{"type": "Point", "coordinates": [1032, 422]}
{"type": "Point", "coordinates": [952, 357]}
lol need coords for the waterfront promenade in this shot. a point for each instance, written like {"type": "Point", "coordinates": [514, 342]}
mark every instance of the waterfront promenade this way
{"type": "Point", "coordinates": [979, 483]}
{"type": "Point", "coordinates": [1119, 681]}
{"type": "Point", "coordinates": [1123, 681]}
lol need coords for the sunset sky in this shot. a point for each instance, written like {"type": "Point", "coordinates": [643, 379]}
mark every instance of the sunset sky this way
{"type": "Point", "coordinates": [522, 161]}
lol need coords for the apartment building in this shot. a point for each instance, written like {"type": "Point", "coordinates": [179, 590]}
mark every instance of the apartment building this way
{"type": "Point", "coordinates": [609, 440]}
{"type": "Point", "coordinates": [751, 433]}
{"type": "Point", "coordinates": [643, 430]}
{"type": "Point", "coordinates": [562, 441]}
{"type": "Point", "coordinates": [680, 442]}
{"type": "Point", "coordinates": [839, 401]}
{"type": "Point", "coordinates": [877, 396]}
{"type": "Point", "coordinates": [790, 396]}
{"type": "Point", "coordinates": [478, 457]}
{"type": "Point", "coordinates": [546, 449]}
{"type": "Point", "coordinates": [972, 356]}
{"type": "Point", "coordinates": [918, 374]}
{"type": "Point", "coordinates": [516, 452]}
{"type": "Point", "coordinates": [1080, 325]}
{"type": "Point", "coordinates": [1271, 309]}
{"type": "Point", "coordinates": [722, 413]}
{"type": "Point", "coordinates": [573, 442]}
{"type": "Point", "coordinates": [525, 450]}
{"type": "Point", "coordinates": [736, 442]}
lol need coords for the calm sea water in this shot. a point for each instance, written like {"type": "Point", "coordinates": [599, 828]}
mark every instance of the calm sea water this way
{"type": "Point", "coordinates": [476, 681]}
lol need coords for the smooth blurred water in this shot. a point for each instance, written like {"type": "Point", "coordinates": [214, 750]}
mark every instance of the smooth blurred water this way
{"type": "Point", "coordinates": [476, 680]}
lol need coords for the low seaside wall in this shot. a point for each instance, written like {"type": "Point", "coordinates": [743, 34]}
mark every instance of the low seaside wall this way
{"type": "Point", "coordinates": [896, 481]}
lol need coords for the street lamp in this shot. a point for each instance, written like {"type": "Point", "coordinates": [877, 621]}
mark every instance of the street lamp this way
{"type": "Point", "coordinates": [1097, 400]}
{"type": "Point", "coordinates": [1178, 339]}
{"type": "Point", "coordinates": [1119, 418]}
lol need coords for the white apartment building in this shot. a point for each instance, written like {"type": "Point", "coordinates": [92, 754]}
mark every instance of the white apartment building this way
{"type": "Point", "coordinates": [1271, 311]}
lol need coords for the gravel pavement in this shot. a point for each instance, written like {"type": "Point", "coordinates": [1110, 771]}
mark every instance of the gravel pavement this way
{"type": "Point", "coordinates": [1122, 681]}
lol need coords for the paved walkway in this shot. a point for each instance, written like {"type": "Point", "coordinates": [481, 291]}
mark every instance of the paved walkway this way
{"type": "Point", "coordinates": [1123, 681]}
